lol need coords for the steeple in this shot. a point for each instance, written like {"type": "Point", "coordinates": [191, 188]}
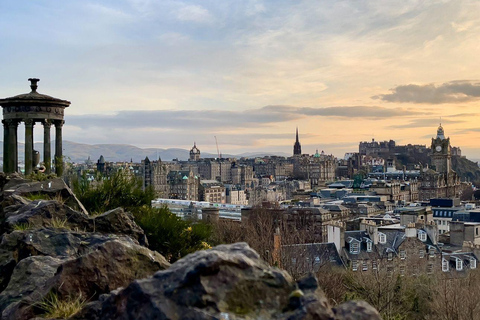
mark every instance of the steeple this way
{"type": "Point", "coordinates": [297, 148]}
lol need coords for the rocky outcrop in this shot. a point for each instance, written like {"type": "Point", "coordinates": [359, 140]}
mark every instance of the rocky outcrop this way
{"type": "Point", "coordinates": [69, 263]}
{"type": "Point", "coordinates": [48, 247]}
{"type": "Point", "coordinates": [48, 189]}
{"type": "Point", "coordinates": [23, 213]}
{"type": "Point", "coordinates": [226, 282]}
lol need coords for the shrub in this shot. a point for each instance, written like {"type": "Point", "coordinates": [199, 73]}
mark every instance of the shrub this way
{"type": "Point", "coordinates": [121, 189]}
{"type": "Point", "coordinates": [169, 234]}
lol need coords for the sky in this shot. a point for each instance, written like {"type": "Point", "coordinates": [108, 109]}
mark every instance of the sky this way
{"type": "Point", "coordinates": [163, 74]}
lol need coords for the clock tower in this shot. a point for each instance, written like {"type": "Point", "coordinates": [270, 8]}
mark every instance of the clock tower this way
{"type": "Point", "coordinates": [441, 152]}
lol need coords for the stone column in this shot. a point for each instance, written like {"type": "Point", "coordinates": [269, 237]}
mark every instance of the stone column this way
{"type": "Point", "coordinates": [47, 154]}
{"type": "Point", "coordinates": [29, 123]}
{"type": "Point", "coordinates": [5, 146]}
{"type": "Point", "coordinates": [10, 159]}
{"type": "Point", "coordinates": [58, 148]}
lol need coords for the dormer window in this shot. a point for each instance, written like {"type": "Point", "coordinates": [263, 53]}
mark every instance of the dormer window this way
{"type": "Point", "coordinates": [382, 238]}
{"type": "Point", "coordinates": [422, 235]}
{"type": "Point", "coordinates": [369, 246]}
{"type": "Point", "coordinates": [445, 265]}
{"type": "Point", "coordinates": [354, 247]}
{"type": "Point", "coordinates": [473, 263]}
{"type": "Point", "coordinates": [459, 264]}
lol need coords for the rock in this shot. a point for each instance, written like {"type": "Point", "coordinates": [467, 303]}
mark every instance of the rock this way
{"type": "Point", "coordinates": [7, 264]}
{"type": "Point", "coordinates": [45, 213]}
{"type": "Point", "coordinates": [356, 310]}
{"type": "Point", "coordinates": [226, 282]}
{"type": "Point", "coordinates": [80, 263]}
{"type": "Point", "coordinates": [51, 189]}
{"type": "Point", "coordinates": [29, 284]}
{"type": "Point", "coordinates": [118, 221]}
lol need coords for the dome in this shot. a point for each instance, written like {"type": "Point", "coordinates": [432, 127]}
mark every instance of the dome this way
{"type": "Point", "coordinates": [33, 98]}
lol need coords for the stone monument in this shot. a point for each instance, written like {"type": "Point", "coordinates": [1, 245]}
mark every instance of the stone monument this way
{"type": "Point", "coordinates": [31, 108]}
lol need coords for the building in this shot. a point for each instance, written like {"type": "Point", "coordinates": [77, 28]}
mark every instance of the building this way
{"type": "Point", "coordinates": [212, 191]}
{"type": "Point", "coordinates": [194, 153]}
{"type": "Point", "coordinates": [297, 148]}
{"type": "Point", "coordinates": [442, 182]}
{"type": "Point", "coordinates": [183, 185]}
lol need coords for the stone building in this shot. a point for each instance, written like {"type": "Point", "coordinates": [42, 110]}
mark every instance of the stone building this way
{"type": "Point", "coordinates": [183, 185]}
{"type": "Point", "coordinates": [194, 153]}
{"type": "Point", "coordinates": [155, 175]}
{"type": "Point", "coordinates": [212, 191]}
{"type": "Point", "coordinates": [442, 182]}
{"type": "Point", "coordinates": [319, 169]}
{"type": "Point", "coordinates": [411, 249]}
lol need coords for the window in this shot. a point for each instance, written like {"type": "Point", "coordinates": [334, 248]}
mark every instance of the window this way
{"type": "Point", "coordinates": [402, 270]}
{"type": "Point", "coordinates": [390, 256]}
{"type": "Point", "coordinates": [294, 260]}
{"type": "Point", "coordinates": [317, 259]}
{"type": "Point", "coordinates": [444, 265]}
{"type": "Point", "coordinates": [459, 265]}
{"type": "Point", "coordinates": [431, 252]}
{"type": "Point", "coordinates": [364, 266]}
{"type": "Point", "coordinates": [422, 235]}
{"type": "Point", "coordinates": [354, 247]}
{"type": "Point", "coordinates": [354, 265]}
{"type": "Point", "coordinates": [389, 270]}
{"type": "Point", "coordinates": [374, 265]}
{"type": "Point", "coordinates": [473, 263]}
{"type": "Point", "coordinates": [403, 254]}
{"type": "Point", "coordinates": [369, 246]}
{"type": "Point", "coordinates": [430, 268]}
{"type": "Point", "coordinates": [382, 238]}
{"type": "Point", "coordinates": [421, 253]}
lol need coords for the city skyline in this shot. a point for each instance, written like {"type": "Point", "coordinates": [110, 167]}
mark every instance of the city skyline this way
{"type": "Point", "coordinates": [163, 75]}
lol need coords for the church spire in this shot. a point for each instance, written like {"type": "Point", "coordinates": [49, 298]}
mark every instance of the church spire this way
{"type": "Point", "coordinates": [297, 148]}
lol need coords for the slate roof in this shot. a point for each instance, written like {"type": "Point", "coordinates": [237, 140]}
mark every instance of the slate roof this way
{"type": "Point", "coordinates": [316, 255]}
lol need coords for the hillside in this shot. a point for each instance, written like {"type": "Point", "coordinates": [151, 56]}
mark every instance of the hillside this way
{"type": "Point", "coordinates": [79, 152]}
{"type": "Point", "coordinates": [468, 170]}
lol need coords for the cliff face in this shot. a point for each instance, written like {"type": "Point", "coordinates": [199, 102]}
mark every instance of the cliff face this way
{"type": "Point", "coordinates": [49, 249]}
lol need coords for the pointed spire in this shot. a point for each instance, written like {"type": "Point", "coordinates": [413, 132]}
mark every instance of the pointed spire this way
{"type": "Point", "coordinates": [297, 136]}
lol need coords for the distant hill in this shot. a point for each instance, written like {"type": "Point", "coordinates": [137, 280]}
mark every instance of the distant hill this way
{"type": "Point", "coordinates": [466, 169]}
{"type": "Point", "coordinates": [79, 152]}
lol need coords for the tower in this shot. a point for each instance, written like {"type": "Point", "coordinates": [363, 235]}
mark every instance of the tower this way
{"type": "Point", "coordinates": [194, 153]}
{"type": "Point", "coordinates": [441, 152]}
{"type": "Point", "coordinates": [297, 148]}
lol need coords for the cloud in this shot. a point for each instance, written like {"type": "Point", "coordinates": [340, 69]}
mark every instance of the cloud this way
{"type": "Point", "coordinates": [449, 92]}
{"type": "Point", "coordinates": [222, 119]}
{"type": "Point", "coordinates": [423, 123]}
{"type": "Point", "coordinates": [193, 13]}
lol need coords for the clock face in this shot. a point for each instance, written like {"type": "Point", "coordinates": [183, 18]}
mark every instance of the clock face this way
{"type": "Point", "coordinates": [438, 148]}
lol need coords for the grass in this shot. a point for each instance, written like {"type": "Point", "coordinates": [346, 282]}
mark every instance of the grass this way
{"type": "Point", "coordinates": [58, 223]}
{"type": "Point", "coordinates": [54, 307]}
{"type": "Point", "coordinates": [23, 226]}
{"type": "Point", "coordinates": [42, 196]}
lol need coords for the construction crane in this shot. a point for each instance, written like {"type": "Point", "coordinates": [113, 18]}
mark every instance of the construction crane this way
{"type": "Point", "coordinates": [218, 152]}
